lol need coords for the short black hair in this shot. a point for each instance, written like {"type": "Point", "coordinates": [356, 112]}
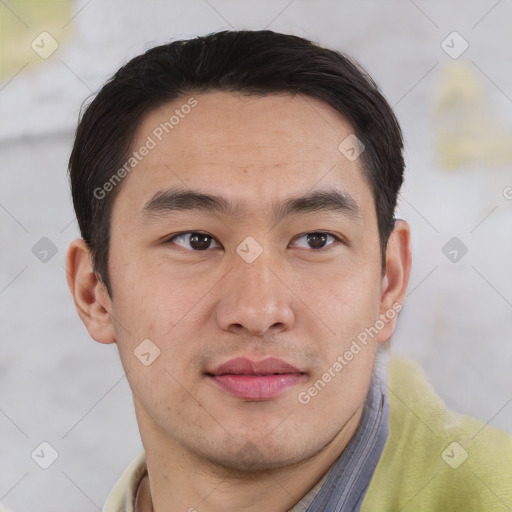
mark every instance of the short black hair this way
{"type": "Point", "coordinates": [258, 62]}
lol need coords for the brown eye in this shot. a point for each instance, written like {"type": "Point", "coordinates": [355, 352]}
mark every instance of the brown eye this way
{"type": "Point", "coordinates": [318, 240]}
{"type": "Point", "coordinates": [193, 240]}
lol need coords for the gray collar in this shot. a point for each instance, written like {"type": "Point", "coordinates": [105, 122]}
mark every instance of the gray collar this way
{"type": "Point", "coordinates": [345, 485]}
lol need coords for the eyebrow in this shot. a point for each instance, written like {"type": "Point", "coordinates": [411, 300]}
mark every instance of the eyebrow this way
{"type": "Point", "coordinates": [181, 199]}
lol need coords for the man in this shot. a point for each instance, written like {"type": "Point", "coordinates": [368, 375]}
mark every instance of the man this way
{"type": "Point", "coordinates": [236, 195]}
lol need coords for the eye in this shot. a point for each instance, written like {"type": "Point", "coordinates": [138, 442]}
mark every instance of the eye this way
{"type": "Point", "coordinates": [198, 242]}
{"type": "Point", "coordinates": [193, 240]}
{"type": "Point", "coordinates": [317, 239]}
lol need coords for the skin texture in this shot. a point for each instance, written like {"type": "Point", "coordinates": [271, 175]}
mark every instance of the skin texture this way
{"type": "Point", "coordinates": [206, 448]}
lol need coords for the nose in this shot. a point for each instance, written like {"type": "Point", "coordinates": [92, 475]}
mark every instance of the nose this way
{"type": "Point", "coordinates": [255, 299]}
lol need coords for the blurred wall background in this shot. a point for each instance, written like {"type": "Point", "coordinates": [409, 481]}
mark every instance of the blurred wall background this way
{"type": "Point", "coordinates": [446, 70]}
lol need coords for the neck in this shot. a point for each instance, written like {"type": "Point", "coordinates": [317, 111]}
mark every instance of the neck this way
{"type": "Point", "coordinates": [191, 483]}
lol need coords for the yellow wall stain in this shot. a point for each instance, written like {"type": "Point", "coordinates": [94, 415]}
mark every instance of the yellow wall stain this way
{"type": "Point", "coordinates": [22, 47]}
{"type": "Point", "coordinates": [467, 129]}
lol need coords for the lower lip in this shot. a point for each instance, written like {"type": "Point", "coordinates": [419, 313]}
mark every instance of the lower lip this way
{"type": "Point", "coordinates": [257, 387]}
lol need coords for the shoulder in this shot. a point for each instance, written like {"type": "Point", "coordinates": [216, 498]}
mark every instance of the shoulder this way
{"type": "Point", "coordinates": [122, 496]}
{"type": "Point", "coordinates": [435, 459]}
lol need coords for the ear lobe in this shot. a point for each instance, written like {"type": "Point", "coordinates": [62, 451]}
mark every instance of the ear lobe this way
{"type": "Point", "coordinates": [89, 294]}
{"type": "Point", "coordinates": [396, 278]}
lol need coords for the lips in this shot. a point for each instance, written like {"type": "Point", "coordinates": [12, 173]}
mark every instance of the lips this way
{"type": "Point", "coordinates": [256, 380]}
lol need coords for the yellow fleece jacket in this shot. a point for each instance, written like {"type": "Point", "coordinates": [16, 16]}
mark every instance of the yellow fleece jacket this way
{"type": "Point", "coordinates": [435, 460]}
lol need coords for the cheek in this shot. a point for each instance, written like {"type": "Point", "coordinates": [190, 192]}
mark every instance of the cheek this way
{"type": "Point", "coordinates": [154, 316]}
{"type": "Point", "coordinates": [141, 292]}
{"type": "Point", "coordinates": [346, 301]}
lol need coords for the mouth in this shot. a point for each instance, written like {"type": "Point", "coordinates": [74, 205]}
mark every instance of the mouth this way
{"type": "Point", "coordinates": [256, 380]}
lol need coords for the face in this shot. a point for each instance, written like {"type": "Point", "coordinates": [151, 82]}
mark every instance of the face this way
{"type": "Point", "coordinates": [251, 298]}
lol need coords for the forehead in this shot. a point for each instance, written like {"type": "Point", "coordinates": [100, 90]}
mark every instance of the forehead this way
{"type": "Point", "coordinates": [266, 147]}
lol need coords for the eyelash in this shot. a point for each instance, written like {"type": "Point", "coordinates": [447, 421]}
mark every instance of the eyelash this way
{"type": "Point", "coordinates": [337, 239]}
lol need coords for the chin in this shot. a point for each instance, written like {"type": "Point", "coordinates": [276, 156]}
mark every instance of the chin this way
{"type": "Point", "coordinates": [251, 458]}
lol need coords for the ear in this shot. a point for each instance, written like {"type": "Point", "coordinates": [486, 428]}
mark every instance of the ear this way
{"type": "Point", "coordinates": [396, 277]}
{"type": "Point", "coordinates": [92, 301]}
